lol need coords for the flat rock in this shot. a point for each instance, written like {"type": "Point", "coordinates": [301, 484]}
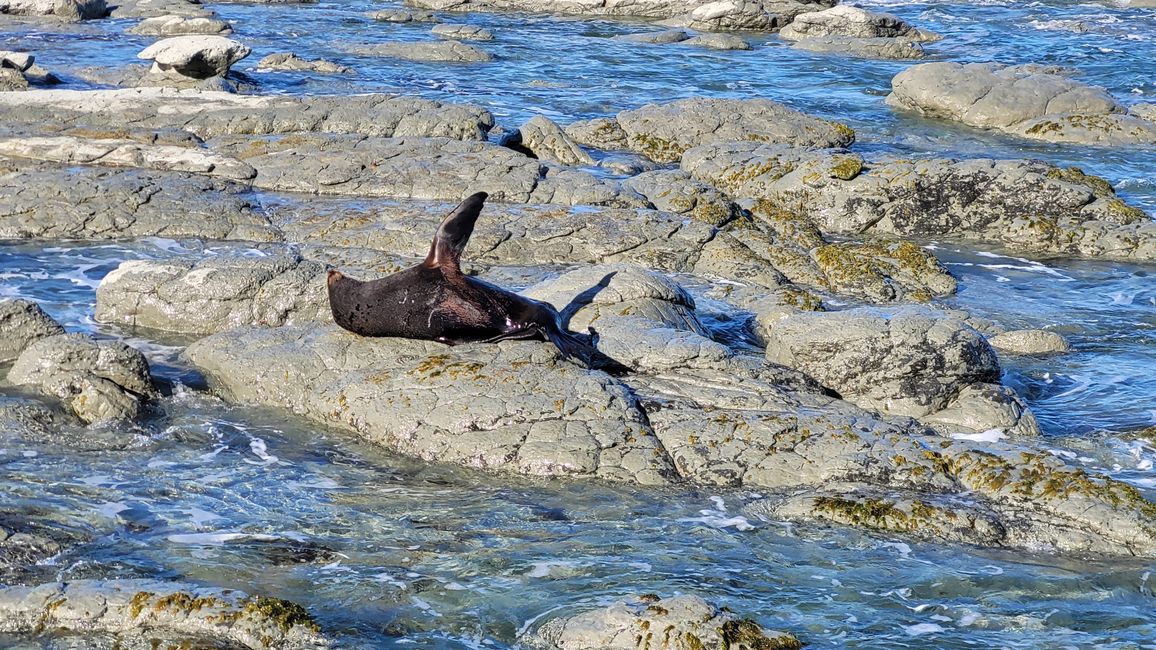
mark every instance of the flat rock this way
{"type": "Point", "coordinates": [160, 8]}
{"type": "Point", "coordinates": [1029, 342]}
{"type": "Point", "coordinates": [663, 132]}
{"type": "Point", "coordinates": [909, 361]}
{"type": "Point", "coordinates": [868, 48]}
{"type": "Point", "coordinates": [287, 61]}
{"type": "Point", "coordinates": [545, 140]}
{"type": "Point", "coordinates": [510, 407]}
{"type": "Point", "coordinates": [207, 296]}
{"type": "Point", "coordinates": [846, 20]}
{"type": "Point", "coordinates": [97, 380]}
{"type": "Point", "coordinates": [117, 152]}
{"type": "Point", "coordinates": [198, 56]}
{"type": "Point", "coordinates": [388, 16]}
{"type": "Point", "coordinates": [216, 113]}
{"type": "Point", "coordinates": [463, 32]}
{"type": "Point", "coordinates": [104, 203]}
{"type": "Point", "coordinates": [427, 52]}
{"type": "Point", "coordinates": [685, 622]}
{"type": "Point", "coordinates": [21, 323]}
{"type": "Point", "coordinates": [177, 25]}
{"type": "Point", "coordinates": [655, 38]}
{"type": "Point", "coordinates": [1022, 100]}
{"type": "Point", "coordinates": [1025, 205]}
{"type": "Point", "coordinates": [139, 609]}
{"type": "Point", "coordinates": [718, 42]}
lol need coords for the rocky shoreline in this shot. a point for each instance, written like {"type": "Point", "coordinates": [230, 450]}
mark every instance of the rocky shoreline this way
{"type": "Point", "coordinates": [850, 397]}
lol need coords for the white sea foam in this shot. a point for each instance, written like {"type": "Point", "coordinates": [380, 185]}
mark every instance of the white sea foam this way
{"type": "Point", "coordinates": [920, 629]}
{"type": "Point", "coordinates": [216, 539]}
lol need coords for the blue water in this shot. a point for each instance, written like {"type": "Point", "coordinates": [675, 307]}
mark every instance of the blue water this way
{"type": "Point", "coordinates": [391, 553]}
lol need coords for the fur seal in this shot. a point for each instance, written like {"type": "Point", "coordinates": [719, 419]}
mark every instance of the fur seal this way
{"type": "Point", "coordinates": [435, 301]}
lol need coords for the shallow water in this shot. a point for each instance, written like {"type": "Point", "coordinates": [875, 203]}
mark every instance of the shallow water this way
{"type": "Point", "coordinates": [387, 552]}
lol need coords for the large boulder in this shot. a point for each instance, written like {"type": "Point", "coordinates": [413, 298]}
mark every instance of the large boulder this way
{"type": "Point", "coordinates": [176, 25]}
{"type": "Point", "coordinates": [664, 131]}
{"type": "Point", "coordinates": [684, 623]}
{"type": "Point", "coordinates": [908, 361]}
{"type": "Point", "coordinates": [289, 62]}
{"type": "Point", "coordinates": [150, 613]}
{"type": "Point", "coordinates": [846, 20]}
{"type": "Point", "coordinates": [1029, 342]}
{"type": "Point", "coordinates": [510, 407]}
{"type": "Point", "coordinates": [198, 57]}
{"type": "Point", "coordinates": [545, 140]}
{"type": "Point", "coordinates": [96, 380]}
{"type": "Point", "coordinates": [1026, 205]}
{"type": "Point", "coordinates": [21, 323]}
{"type": "Point", "coordinates": [1028, 101]}
{"type": "Point", "coordinates": [67, 10]}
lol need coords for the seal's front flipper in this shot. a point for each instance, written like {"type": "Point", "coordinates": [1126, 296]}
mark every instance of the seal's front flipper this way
{"type": "Point", "coordinates": [570, 345]}
{"type": "Point", "coordinates": [454, 233]}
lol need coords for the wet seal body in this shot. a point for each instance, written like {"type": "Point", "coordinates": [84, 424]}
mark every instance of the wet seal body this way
{"type": "Point", "coordinates": [436, 301]}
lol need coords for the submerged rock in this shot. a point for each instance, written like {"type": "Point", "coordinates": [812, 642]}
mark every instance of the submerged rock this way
{"type": "Point", "coordinates": [910, 361]}
{"type": "Point", "coordinates": [210, 114]}
{"type": "Point", "coordinates": [681, 622]}
{"type": "Point", "coordinates": [718, 42]}
{"type": "Point", "coordinates": [389, 16]}
{"type": "Point", "coordinates": [287, 61]}
{"type": "Point", "coordinates": [97, 380]}
{"type": "Point", "coordinates": [1022, 100]}
{"type": "Point", "coordinates": [869, 48]}
{"type": "Point", "coordinates": [463, 32]}
{"type": "Point", "coordinates": [177, 25]}
{"type": "Point", "coordinates": [1029, 342]}
{"type": "Point", "coordinates": [664, 131]}
{"type": "Point", "coordinates": [656, 38]}
{"type": "Point", "coordinates": [427, 52]}
{"type": "Point", "coordinates": [21, 323]}
{"type": "Point", "coordinates": [148, 613]}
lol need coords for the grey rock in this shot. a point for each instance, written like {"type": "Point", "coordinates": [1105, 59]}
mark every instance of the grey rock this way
{"type": "Point", "coordinates": [463, 32]}
{"type": "Point", "coordinates": [66, 10]}
{"type": "Point", "coordinates": [97, 380]}
{"type": "Point", "coordinates": [19, 61]}
{"type": "Point", "coordinates": [600, 133]}
{"type": "Point", "coordinates": [71, 150]}
{"type": "Point", "coordinates": [178, 25]}
{"type": "Point", "coordinates": [139, 609]}
{"type": "Point", "coordinates": [868, 48]}
{"type": "Point", "coordinates": [846, 20]}
{"type": "Point", "coordinates": [676, 191]}
{"type": "Point", "coordinates": [718, 42]}
{"type": "Point", "coordinates": [656, 38]}
{"type": "Point", "coordinates": [214, 294]}
{"type": "Point", "coordinates": [686, 622]}
{"type": "Point", "coordinates": [510, 407]}
{"type": "Point", "coordinates": [546, 141]}
{"type": "Point", "coordinates": [208, 113]}
{"type": "Point", "coordinates": [21, 323]}
{"type": "Point", "coordinates": [199, 57]}
{"type": "Point", "coordinates": [1029, 342]}
{"type": "Point", "coordinates": [389, 16]}
{"type": "Point", "coordinates": [160, 8]}
{"type": "Point", "coordinates": [627, 164]}
{"type": "Point", "coordinates": [1144, 111]}
{"type": "Point", "coordinates": [910, 361]}
{"type": "Point", "coordinates": [427, 52]}
{"type": "Point", "coordinates": [287, 61]}
{"type": "Point", "coordinates": [663, 132]}
{"type": "Point", "coordinates": [1026, 205]}
{"type": "Point", "coordinates": [981, 408]}
{"type": "Point", "coordinates": [96, 203]}
{"type": "Point", "coordinates": [1019, 100]}
{"type": "Point", "coordinates": [12, 80]}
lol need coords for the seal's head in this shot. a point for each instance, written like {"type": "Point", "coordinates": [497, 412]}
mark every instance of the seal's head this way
{"type": "Point", "coordinates": [332, 277]}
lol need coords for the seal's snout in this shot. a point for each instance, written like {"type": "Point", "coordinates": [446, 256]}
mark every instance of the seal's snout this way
{"type": "Point", "coordinates": [333, 276]}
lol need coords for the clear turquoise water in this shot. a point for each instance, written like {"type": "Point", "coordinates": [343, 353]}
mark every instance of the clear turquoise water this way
{"type": "Point", "coordinates": [390, 553]}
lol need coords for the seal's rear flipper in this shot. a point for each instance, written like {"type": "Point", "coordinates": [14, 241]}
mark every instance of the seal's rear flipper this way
{"type": "Point", "coordinates": [454, 233]}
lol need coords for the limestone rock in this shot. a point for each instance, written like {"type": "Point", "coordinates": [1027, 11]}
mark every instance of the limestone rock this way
{"type": "Point", "coordinates": [388, 16]}
{"type": "Point", "coordinates": [12, 80]}
{"type": "Point", "coordinates": [685, 623]}
{"type": "Point", "coordinates": [847, 20]}
{"type": "Point", "coordinates": [1019, 99]}
{"type": "Point", "coordinates": [209, 114]}
{"type": "Point", "coordinates": [124, 153]}
{"type": "Point", "coordinates": [138, 609]}
{"type": "Point", "coordinates": [463, 32]}
{"type": "Point", "coordinates": [600, 133]}
{"type": "Point", "coordinates": [97, 380]}
{"type": "Point", "coordinates": [213, 294]}
{"type": "Point", "coordinates": [19, 61]}
{"type": "Point", "coordinates": [177, 25]}
{"type": "Point", "coordinates": [718, 42]}
{"type": "Point", "coordinates": [655, 38]}
{"type": "Point", "coordinates": [677, 191]}
{"type": "Point", "coordinates": [21, 323]}
{"type": "Point", "coordinates": [199, 57]}
{"type": "Point", "coordinates": [288, 61]}
{"type": "Point", "coordinates": [910, 361]}
{"type": "Point", "coordinates": [982, 408]}
{"type": "Point", "coordinates": [510, 407]}
{"type": "Point", "coordinates": [868, 48]}
{"type": "Point", "coordinates": [663, 132]}
{"type": "Point", "coordinates": [67, 10]}
{"type": "Point", "coordinates": [545, 140]}
{"type": "Point", "coordinates": [427, 52]}
{"type": "Point", "coordinates": [1029, 342]}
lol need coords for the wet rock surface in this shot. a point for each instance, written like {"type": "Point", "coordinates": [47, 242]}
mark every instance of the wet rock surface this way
{"type": "Point", "coordinates": [286, 61]}
{"type": "Point", "coordinates": [430, 51]}
{"type": "Point", "coordinates": [177, 25]}
{"type": "Point", "coordinates": [1029, 342]}
{"type": "Point", "coordinates": [21, 323]}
